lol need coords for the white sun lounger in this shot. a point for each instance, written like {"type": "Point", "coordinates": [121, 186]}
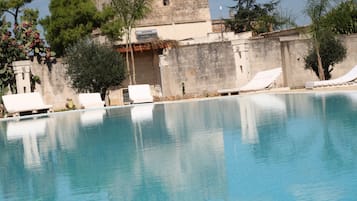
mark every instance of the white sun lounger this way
{"type": "Point", "coordinates": [262, 80]}
{"type": "Point", "coordinates": [90, 100]}
{"type": "Point", "coordinates": [17, 104]}
{"type": "Point", "coordinates": [345, 79]}
{"type": "Point", "coordinates": [140, 93]}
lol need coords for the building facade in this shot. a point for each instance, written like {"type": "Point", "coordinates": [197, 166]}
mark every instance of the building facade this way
{"type": "Point", "coordinates": [171, 20]}
{"type": "Point", "coordinates": [168, 20]}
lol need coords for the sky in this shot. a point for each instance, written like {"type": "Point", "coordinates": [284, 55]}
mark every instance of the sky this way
{"type": "Point", "coordinates": [294, 8]}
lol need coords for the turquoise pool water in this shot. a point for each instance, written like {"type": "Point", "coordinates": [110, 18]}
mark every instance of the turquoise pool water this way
{"type": "Point", "coordinates": [243, 148]}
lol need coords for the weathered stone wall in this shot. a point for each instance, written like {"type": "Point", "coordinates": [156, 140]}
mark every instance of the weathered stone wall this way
{"type": "Point", "coordinates": [264, 54]}
{"type": "Point", "coordinates": [205, 68]}
{"type": "Point", "coordinates": [54, 87]}
{"type": "Point", "coordinates": [294, 52]}
{"type": "Point", "coordinates": [199, 69]}
{"type": "Point", "coordinates": [174, 12]}
{"type": "Point", "coordinates": [177, 11]}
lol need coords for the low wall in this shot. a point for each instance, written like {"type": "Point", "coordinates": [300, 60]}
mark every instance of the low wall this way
{"type": "Point", "coordinates": [294, 52]}
{"type": "Point", "coordinates": [203, 69]}
{"type": "Point", "coordinates": [54, 87]}
{"type": "Point", "coordinates": [198, 69]}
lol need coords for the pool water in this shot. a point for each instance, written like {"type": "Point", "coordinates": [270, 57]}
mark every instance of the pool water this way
{"type": "Point", "coordinates": [241, 148]}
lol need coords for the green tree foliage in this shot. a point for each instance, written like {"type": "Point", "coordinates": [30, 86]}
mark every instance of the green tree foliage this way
{"type": "Point", "coordinates": [13, 7]}
{"type": "Point", "coordinates": [316, 10]}
{"type": "Point", "coordinates": [93, 67]}
{"type": "Point", "coordinates": [18, 41]}
{"type": "Point", "coordinates": [71, 20]}
{"type": "Point", "coordinates": [129, 12]}
{"type": "Point", "coordinates": [259, 18]}
{"type": "Point", "coordinates": [327, 50]}
{"type": "Point", "coordinates": [332, 52]}
{"type": "Point", "coordinates": [343, 18]}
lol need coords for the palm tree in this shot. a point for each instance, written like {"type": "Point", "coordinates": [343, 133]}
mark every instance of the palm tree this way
{"type": "Point", "coordinates": [129, 12]}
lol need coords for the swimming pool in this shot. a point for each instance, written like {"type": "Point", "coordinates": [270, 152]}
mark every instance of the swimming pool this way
{"type": "Point", "coordinates": [252, 147]}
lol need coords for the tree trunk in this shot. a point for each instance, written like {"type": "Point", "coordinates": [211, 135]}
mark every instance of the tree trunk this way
{"type": "Point", "coordinates": [132, 59]}
{"type": "Point", "coordinates": [127, 59]}
{"type": "Point", "coordinates": [319, 62]}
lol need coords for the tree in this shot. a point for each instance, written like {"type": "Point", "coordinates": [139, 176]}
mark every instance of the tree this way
{"type": "Point", "coordinates": [259, 18]}
{"type": "Point", "coordinates": [332, 52]}
{"type": "Point", "coordinates": [71, 20]}
{"type": "Point", "coordinates": [13, 7]}
{"type": "Point", "coordinates": [129, 12]}
{"type": "Point", "coordinates": [343, 18]}
{"type": "Point", "coordinates": [327, 50]}
{"type": "Point", "coordinates": [18, 41]}
{"type": "Point", "coordinates": [94, 67]}
{"type": "Point", "coordinates": [316, 9]}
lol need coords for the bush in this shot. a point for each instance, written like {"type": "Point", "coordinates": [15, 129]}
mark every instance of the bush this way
{"type": "Point", "coordinates": [93, 67]}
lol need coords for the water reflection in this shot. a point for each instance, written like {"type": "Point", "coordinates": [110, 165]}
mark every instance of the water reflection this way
{"type": "Point", "coordinates": [255, 110]}
{"type": "Point", "coordinates": [141, 114]}
{"type": "Point", "coordinates": [259, 147]}
{"type": "Point", "coordinates": [92, 117]}
{"type": "Point", "coordinates": [28, 131]}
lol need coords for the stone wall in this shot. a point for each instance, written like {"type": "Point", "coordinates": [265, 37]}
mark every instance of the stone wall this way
{"type": "Point", "coordinates": [203, 69]}
{"type": "Point", "coordinates": [54, 87]}
{"type": "Point", "coordinates": [293, 54]}
{"type": "Point", "coordinates": [264, 54]}
{"type": "Point", "coordinates": [198, 69]}
{"type": "Point", "coordinates": [176, 11]}
{"type": "Point", "coordinates": [165, 12]}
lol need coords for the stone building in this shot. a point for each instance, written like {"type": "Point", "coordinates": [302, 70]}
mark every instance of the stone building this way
{"type": "Point", "coordinates": [168, 22]}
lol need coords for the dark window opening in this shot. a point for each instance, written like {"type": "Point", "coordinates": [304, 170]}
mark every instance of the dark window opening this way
{"type": "Point", "coordinates": [166, 2]}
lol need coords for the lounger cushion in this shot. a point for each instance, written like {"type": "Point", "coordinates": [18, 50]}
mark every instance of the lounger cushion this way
{"type": "Point", "coordinates": [91, 100]}
{"type": "Point", "coordinates": [24, 102]}
{"type": "Point", "coordinates": [140, 93]}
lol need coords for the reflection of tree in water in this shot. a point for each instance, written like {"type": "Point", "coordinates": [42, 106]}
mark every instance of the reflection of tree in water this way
{"type": "Point", "coordinates": [284, 135]}
{"type": "Point", "coordinates": [319, 120]}
{"type": "Point", "coordinates": [180, 150]}
{"type": "Point", "coordinates": [338, 119]}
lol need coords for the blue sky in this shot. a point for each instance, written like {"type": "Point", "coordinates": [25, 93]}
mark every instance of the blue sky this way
{"type": "Point", "coordinates": [295, 8]}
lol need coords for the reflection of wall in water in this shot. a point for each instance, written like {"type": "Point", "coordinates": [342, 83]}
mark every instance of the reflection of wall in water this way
{"type": "Point", "coordinates": [62, 132]}
{"type": "Point", "coordinates": [259, 111]}
{"type": "Point", "coordinates": [186, 118]}
{"type": "Point", "coordinates": [193, 147]}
